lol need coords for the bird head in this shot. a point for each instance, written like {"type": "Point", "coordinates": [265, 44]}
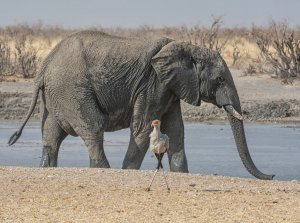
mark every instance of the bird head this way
{"type": "Point", "coordinates": [155, 123]}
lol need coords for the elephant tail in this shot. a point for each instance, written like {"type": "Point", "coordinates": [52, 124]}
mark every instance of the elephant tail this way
{"type": "Point", "coordinates": [18, 133]}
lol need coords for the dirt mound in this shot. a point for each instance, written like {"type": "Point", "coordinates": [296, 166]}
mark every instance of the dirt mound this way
{"type": "Point", "coordinates": [14, 105]}
{"type": "Point", "coordinates": [255, 111]}
{"type": "Point", "coordinates": [272, 110]}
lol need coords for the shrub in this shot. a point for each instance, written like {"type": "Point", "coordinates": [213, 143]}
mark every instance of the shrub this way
{"type": "Point", "coordinates": [7, 59]}
{"type": "Point", "coordinates": [203, 36]}
{"type": "Point", "coordinates": [27, 58]}
{"type": "Point", "coordinates": [280, 47]}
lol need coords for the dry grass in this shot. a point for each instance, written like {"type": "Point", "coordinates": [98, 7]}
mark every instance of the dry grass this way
{"type": "Point", "coordinates": [238, 46]}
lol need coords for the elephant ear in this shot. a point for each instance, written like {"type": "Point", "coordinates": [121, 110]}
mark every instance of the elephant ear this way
{"type": "Point", "coordinates": [175, 68]}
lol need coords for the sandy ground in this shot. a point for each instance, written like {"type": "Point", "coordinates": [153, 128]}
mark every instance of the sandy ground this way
{"type": "Point", "coordinates": [107, 195]}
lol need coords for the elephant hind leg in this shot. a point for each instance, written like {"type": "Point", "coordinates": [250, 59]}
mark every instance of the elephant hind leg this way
{"type": "Point", "coordinates": [88, 122]}
{"type": "Point", "coordinates": [53, 135]}
{"type": "Point", "coordinates": [94, 143]}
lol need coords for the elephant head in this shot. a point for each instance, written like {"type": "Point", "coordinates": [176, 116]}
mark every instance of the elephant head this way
{"type": "Point", "coordinates": [193, 74]}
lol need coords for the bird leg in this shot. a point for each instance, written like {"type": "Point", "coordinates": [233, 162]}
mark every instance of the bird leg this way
{"type": "Point", "coordinates": [148, 188]}
{"type": "Point", "coordinates": [168, 188]}
{"type": "Point", "coordinates": [159, 159]}
{"type": "Point", "coordinates": [159, 166]}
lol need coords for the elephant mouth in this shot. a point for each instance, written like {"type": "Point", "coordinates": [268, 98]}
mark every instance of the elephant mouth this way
{"type": "Point", "coordinates": [228, 108]}
{"type": "Point", "coordinates": [212, 101]}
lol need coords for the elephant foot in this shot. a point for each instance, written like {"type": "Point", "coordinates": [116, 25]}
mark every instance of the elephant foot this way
{"type": "Point", "coordinates": [46, 161]}
{"type": "Point", "coordinates": [132, 166]}
{"type": "Point", "coordinates": [99, 164]}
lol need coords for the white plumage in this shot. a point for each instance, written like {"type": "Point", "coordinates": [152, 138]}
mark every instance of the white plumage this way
{"type": "Point", "coordinates": [159, 144]}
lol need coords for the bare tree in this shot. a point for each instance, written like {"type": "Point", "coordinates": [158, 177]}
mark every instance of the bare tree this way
{"type": "Point", "coordinates": [7, 59]}
{"type": "Point", "coordinates": [205, 36]}
{"type": "Point", "coordinates": [280, 47]}
{"type": "Point", "coordinates": [27, 58]}
{"type": "Point", "coordinates": [236, 52]}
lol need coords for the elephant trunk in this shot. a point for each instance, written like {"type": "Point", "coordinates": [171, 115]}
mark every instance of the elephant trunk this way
{"type": "Point", "coordinates": [241, 143]}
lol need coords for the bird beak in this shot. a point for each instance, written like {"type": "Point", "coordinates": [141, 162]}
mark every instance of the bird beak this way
{"type": "Point", "coordinates": [154, 123]}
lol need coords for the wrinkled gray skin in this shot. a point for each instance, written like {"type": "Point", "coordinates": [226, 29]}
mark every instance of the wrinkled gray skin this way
{"type": "Point", "coordinates": [93, 82]}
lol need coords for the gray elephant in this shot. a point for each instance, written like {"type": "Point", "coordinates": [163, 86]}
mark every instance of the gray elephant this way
{"type": "Point", "coordinates": [93, 82]}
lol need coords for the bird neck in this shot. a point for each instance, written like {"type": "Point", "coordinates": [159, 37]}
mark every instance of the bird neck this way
{"type": "Point", "coordinates": [156, 130]}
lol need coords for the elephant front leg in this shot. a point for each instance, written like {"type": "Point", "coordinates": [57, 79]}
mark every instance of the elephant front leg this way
{"type": "Point", "coordinates": [172, 125]}
{"type": "Point", "coordinates": [137, 149]}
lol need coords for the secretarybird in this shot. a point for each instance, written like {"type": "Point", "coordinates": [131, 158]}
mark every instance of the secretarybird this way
{"type": "Point", "coordinates": [159, 144]}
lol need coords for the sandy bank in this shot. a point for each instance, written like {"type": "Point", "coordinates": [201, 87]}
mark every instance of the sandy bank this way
{"type": "Point", "coordinates": [99, 195]}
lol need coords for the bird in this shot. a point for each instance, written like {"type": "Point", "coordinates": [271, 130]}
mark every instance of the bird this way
{"type": "Point", "coordinates": [159, 144]}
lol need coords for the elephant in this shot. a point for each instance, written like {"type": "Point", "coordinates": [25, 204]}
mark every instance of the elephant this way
{"type": "Point", "coordinates": [93, 82]}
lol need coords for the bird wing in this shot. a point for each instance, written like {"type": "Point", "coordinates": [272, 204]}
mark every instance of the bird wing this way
{"type": "Point", "coordinates": [166, 139]}
{"type": "Point", "coordinates": [159, 143]}
{"type": "Point", "coordinates": [162, 144]}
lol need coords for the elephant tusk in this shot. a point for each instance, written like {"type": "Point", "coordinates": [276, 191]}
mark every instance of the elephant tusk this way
{"type": "Point", "coordinates": [233, 112]}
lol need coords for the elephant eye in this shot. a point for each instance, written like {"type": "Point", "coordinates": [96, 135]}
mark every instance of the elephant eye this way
{"type": "Point", "coordinates": [194, 63]}
{"type": "Point", "coordinates": [193, 60]}
{"type": "Point", "coordinates": [220, 79]}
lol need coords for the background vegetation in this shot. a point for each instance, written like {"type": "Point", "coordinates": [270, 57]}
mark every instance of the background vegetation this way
{"type": "Point", "coordinates": [274, 49]}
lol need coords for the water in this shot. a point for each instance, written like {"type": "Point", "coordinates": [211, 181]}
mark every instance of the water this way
{"type": "Point", "coordinates": [210, 149]}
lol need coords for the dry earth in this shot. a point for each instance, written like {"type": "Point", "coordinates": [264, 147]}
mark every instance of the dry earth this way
{"type": "Point", "coordinates": [107, 195]}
